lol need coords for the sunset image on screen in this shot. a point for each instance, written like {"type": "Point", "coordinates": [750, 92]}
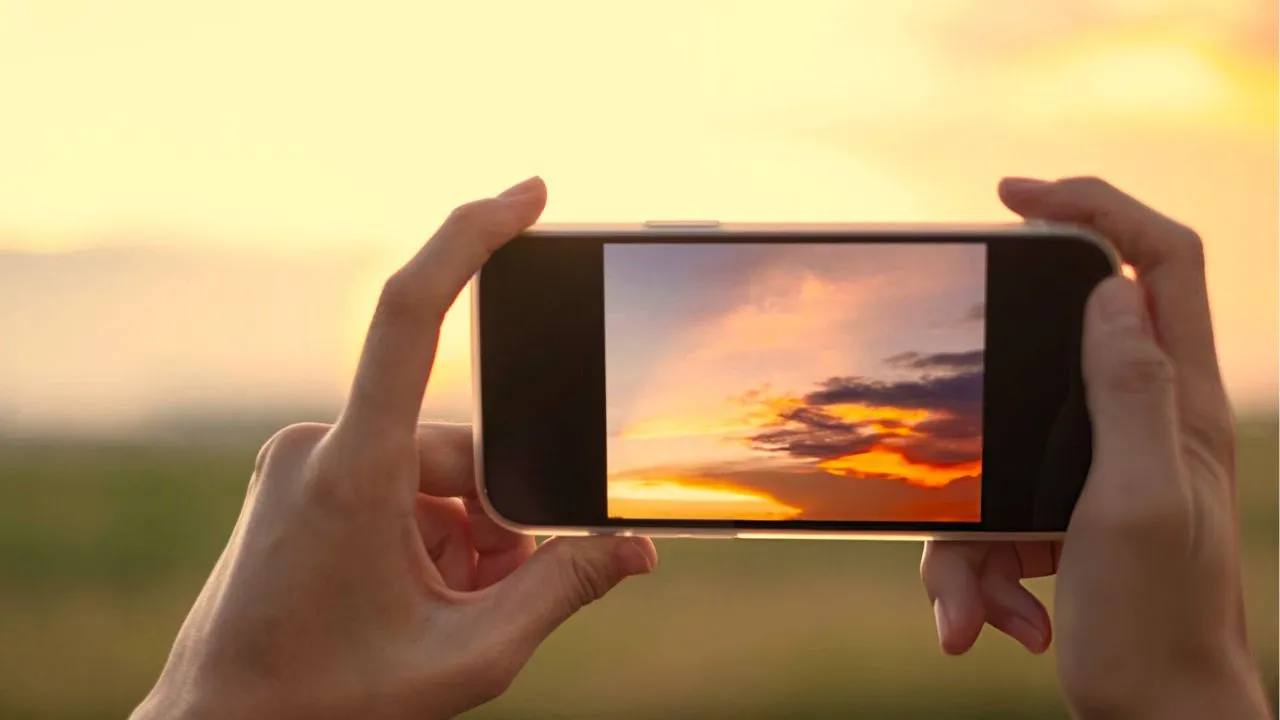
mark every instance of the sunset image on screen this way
{"type": "Point", "coordinates": [824, 381]}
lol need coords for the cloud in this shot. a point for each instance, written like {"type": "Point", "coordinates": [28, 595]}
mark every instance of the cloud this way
{"type": "Point", "coordinates": [824, 496]}
{"type": "Point", "coordinates": [929, 451]}
{"type": "Point", "coordinates": [952, 428]}
{"type": "Point", "coordinates": [971, 360]}
{"type": "Point", "coordinates": [851, 448]}
{"type": "Point", "coordinates": [813, 433]}
{"type": "Point", "coordinates": [722, 318]}
{"type": "Point", "coordinates": [924, 431]}
{"type": "Point", "coordinates": [956, 394]}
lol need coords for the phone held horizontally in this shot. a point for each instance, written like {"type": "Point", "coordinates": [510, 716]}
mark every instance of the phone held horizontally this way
{"type": "Point", "coordinates": [696, 379]}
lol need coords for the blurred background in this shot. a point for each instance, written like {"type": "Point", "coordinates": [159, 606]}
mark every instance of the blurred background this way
{"type": "Point", "coordinates": [199, 202]}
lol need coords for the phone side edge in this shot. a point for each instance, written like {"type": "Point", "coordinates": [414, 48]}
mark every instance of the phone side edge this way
{"type": "Point", "coordinates": [477, 429]}
{"type": "Point", "coordinates": [1033, 227]}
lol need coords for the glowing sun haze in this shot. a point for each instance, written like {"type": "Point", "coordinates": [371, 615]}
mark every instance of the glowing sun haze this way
{"type": "Point", "coordinates": [314, 146]}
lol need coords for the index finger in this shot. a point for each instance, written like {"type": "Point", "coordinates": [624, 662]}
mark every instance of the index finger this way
{"type": "Point", "coordinates": [395, 363]}
{"type": "Point", "coordinates": [446, 468]}
{"type": "Point", "coordinates": [1169, 259]}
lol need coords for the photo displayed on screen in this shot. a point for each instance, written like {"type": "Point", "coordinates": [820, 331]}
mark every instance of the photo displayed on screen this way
{"type": "Point", "coordinates": [819, 381]}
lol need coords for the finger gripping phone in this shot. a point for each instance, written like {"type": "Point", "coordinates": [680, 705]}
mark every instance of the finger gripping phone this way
{"type": "Point", "coordinates": [708, 380]}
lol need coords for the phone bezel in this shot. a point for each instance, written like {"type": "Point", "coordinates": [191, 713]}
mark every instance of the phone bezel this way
{"type": "Point", "coordinates": [748, 231]}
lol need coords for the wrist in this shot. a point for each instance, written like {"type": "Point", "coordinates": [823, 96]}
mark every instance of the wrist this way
{"type": "Point", "coordinates": [163, 702]}
{"type": "Point", "coordinates": [1229, 686]}
{"type": "Point", "coordinates": [174, 699]}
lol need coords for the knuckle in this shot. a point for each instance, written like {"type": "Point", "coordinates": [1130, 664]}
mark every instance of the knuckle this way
{"type": "Point", "coordinates": [344, 483]}
{"type": "Point", "coordinates": [475, 216]}
{"type": "Point", "coordinates": [588, 581]}
{"type": "Point", "coordinates": [264, 454]}
{"type": "Point", "coordinates": [331, 490]}
{"type": "Point", "coordinates": [358, 474]}
{"type": "Point", "coordinates": [412, 299]}
{"type": "Point", "coordinates": [1143, 371]}
{"type": "Point", "coordinates": [1087, 184]}
{"type": "Point", "coordinates": [401, 297]}
{"type": "Point", "coordinates": [1188, 244]}
{"type": "Point", "coordinates": [288, 445]}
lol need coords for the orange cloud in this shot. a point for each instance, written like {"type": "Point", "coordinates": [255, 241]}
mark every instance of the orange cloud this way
{"type": "Point", "coordinates": [925, 431]}
{"type": "Point", "coordinates": [887, 460]}
{"type": "Point", "coordinates": [879, 415]}
{"type": "Point", "coordinates": [884, 460]}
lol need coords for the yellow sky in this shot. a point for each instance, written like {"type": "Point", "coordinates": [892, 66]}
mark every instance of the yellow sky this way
{"type": "Point", "coordinates": [659, 498]}
{"type": "Point", "coordinates": [310, 126]}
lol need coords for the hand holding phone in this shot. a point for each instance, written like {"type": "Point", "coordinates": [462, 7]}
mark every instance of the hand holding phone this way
{"type": "Point", "coordinates": [362, 579]}
{"type": "Point", "coordinates": [1149, 604]}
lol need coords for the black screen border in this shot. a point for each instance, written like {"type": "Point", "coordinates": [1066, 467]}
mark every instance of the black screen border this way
{"type": "Point", "coordinates": [541, 370]}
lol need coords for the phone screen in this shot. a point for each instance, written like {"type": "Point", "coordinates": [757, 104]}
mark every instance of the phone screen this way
{"type": "Point", "coordinates": [785, 381]}
{"type": "Point", "coordinates": [827, 382]}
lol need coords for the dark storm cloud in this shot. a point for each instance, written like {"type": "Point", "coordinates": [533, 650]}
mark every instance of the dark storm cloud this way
{"type": "Point", "coordinates": [957, 394]}
{"type": "Point", "coordinates": [954, 437]}
{"type": "Point", "coordinates": [962, 427]}
{"type": "Point", "coordinates": [816, 418]}
{"type": "Point", "coordinates": [813, 433]}
{"type": "Point", "coordinates": [815, 444]}
{"type": "Point", "coordinates": [950, 361]}
{"type": "Point", "coordinates": [929, 451]}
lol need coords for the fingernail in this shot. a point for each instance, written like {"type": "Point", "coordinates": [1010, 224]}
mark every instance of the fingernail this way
{"type": "Point", "coordinates": [524, 187]}
{"type": "Point", "coordinates": [1123, 305]}
{"type": "Point", "coordinates": [1022, 184]}
{"type": "Point", "coordinates": [636, 556]}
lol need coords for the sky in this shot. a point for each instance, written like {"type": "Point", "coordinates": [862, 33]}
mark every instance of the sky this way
{"type": "Point", "coordinates": [798, 381]}
{"type": "Point", "coordinates": [315, 146]}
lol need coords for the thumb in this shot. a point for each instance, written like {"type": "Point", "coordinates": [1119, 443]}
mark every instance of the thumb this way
{"type": "Point", "coordinates": [1129, 385]}
{"type": "Point", "coordinates": [566, 574]}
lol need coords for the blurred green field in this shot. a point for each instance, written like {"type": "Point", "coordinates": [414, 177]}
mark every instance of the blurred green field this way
{"type": "Point", "coordinates": [104, 546]}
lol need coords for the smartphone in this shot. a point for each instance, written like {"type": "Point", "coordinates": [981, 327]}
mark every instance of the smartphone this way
{"type": "Point", "coordinates": [698, 379]}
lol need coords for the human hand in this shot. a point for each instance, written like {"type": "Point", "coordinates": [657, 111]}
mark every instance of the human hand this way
{"type": "Point", "coordinates": [362, 578]}
{"type": "Point", "coordinates": [1149, 604]}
